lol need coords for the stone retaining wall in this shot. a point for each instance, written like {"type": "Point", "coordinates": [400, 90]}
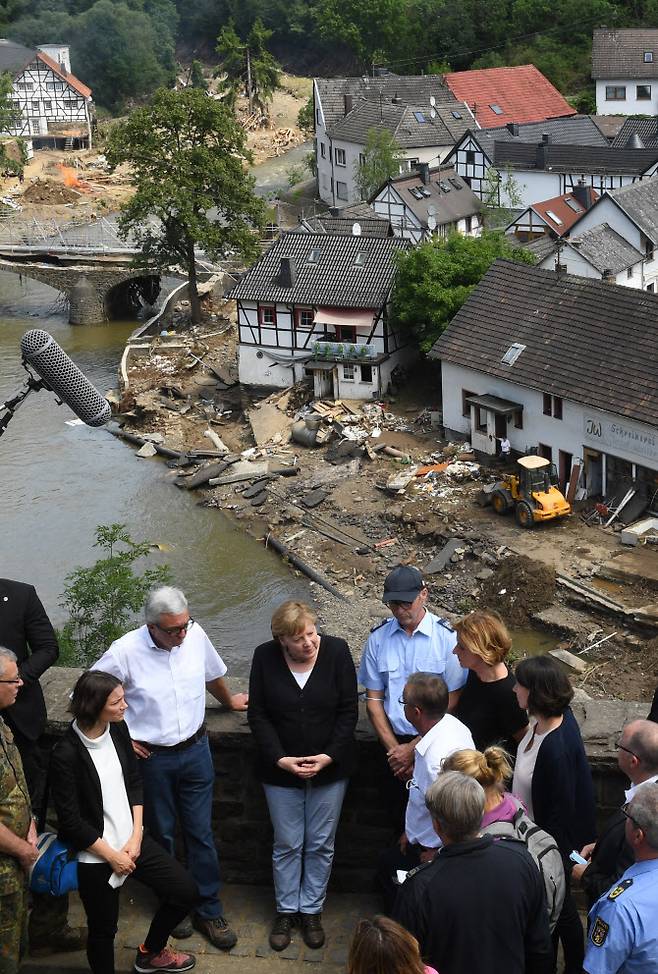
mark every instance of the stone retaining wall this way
{"type": "Point", "coordinates": [242, 828]}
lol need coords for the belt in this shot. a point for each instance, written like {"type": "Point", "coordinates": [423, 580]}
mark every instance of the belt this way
{"type": "Point", "coordinates": [181, 746]}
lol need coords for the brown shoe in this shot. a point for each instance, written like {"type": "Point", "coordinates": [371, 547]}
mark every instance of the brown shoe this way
{"type": "Point", "coordinates": [65, 939]}
{"type": "Point", "coordinates": [217, 931]}
{"type": "Point", "coordinates": [281, 932]}
{"type": "Point", "coordinates": [312, 931]}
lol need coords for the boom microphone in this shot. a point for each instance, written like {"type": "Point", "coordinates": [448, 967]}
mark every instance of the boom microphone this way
{"type": "Point", "coordinates": [64, 378]}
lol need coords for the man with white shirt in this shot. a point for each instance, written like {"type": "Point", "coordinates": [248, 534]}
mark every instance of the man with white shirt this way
{"type": "Point", "coordinates": [611, 855]}
{"type": "Point", "coordinates": [166, 666]}
{"type": "Point", "coordinates": [425, 702]}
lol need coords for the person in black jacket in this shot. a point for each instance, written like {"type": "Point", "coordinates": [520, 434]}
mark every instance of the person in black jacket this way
{"type": "Point", "coordinates": [97, 792]}
{"type": "Point", "coordinates": [302, 713]}
{"type": "Point", "coordinates": [26, 629]}
{"type": "Point", "coordinates": [554, 781]}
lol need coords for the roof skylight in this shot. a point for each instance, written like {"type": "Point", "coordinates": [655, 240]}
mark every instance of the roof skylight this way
{"type": "Point", "coordinates": [554, 217]}
{"type": "Point", "coordinates": [512, 353]}
{"type": "Point", "coordinates": [496, 109]}
{"type": "Point", "coordinates": [648, 57]}
{"type": "Point", "coordinates": [420, 118]}
{"type": "Point", "coordinates": [314, 256]}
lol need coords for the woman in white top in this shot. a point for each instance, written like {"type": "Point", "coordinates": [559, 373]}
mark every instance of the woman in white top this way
{"type": "Point", "coordinates": [97, 792]}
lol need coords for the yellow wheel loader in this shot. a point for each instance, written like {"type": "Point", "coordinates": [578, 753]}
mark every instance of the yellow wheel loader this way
{"type": "Point", "coordinates": [532, 492]}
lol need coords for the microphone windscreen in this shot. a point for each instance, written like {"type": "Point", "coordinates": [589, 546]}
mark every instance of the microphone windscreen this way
{"type": "Point", "coordinates": [50, 361]}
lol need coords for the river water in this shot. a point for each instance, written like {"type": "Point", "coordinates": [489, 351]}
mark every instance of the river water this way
{"type": "Point", "coordinates": [59, 482]}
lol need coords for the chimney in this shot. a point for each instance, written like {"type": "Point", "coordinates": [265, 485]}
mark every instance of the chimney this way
{"type": "Point", "coordinates": [541, 153]}
{"type": "Point", "coordinates": [581, 193]}
{"type": "Point", "coordinates": [560, 268]}
{"type": "Point", "coordinates": [544, 137]}
{"type": "Point", "coordinates": [424, 172]}
{"type": "Point", "coordinates": [348, 101]}
{"type": "Point", "coordinates": [608, 276]}
{"type": "Point", "coordinates": [396, 99]}
{"type": "Point", "coordinates": [287, 273]}
{"type": "Point", "coordinates": [513, 128]}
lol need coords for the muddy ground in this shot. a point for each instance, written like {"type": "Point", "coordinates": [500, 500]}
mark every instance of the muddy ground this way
{"type": "Point", "coordinates": [359, 529]}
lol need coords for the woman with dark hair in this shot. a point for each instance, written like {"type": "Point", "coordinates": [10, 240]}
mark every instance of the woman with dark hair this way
{"type": "Point", "coordinates": [302, 713]}
{"type": "Point", "coordinates": [97, 792]}
{"type": "Point", "coordinates": [382, 946]}
{"type": "Point", "coordinates": [553, 779]}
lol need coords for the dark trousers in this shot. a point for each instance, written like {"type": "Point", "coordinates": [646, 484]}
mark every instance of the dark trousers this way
{"type": "Point", "coordinates": [569, 931]}
{"type": "Point", "coordinates": [394, 791]}
{"type": "Point", "coordinates": [172, 884]}
{"type": "Point", "coordinates": [389, 862]}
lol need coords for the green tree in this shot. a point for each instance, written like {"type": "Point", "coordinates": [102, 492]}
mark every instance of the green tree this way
{"type": "Point", "coordinates": [370, 29]}
{"type": "Point", "coordinates": [434, 279]}
{"type": "Point", "coordinates": [102, 600]}
{"type": "Point", "coordinates": [306, 117]}
{"type": "Point", "coordinates": [501, 195]}
{"type": "Point", "coordinates": [248, 65]}
{"type": "Point", "coordinates": [197, 79]}
{"type": "Point", "coordinates": [187, 153]}
{"type": "Point", "coordinates": [381, 160]}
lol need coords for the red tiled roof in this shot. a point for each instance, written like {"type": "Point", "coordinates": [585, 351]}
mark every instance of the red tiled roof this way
{"type": "Point", "coordinates": [559, 207]}
{"type": "Point", "coordinates": [69, 78]}
{"type": "Point", "coordinates": [523, 94]}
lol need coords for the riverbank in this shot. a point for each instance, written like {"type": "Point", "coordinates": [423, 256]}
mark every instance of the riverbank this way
{"type": "Point", "coordinates": [382, 490]}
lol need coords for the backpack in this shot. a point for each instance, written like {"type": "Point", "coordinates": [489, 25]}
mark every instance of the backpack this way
{"type": "Point", "coordinates": [55, 871]}
{"type": "Point", "coordinates": [543, 849]}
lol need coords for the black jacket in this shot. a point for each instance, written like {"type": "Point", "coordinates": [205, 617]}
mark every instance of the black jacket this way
{"type": "Point", "coordinates": [76, 788]}
{"type": "Point", "coordinates": [287, 721]}
{"type": "Point", "coordinates": [26, 630]}
{"type": "Point", "coordinates": [611, 857]}
{"type": "Point", "coordinates": [478, 907]}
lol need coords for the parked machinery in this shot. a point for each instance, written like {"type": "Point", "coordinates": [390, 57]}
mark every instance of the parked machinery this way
{"type": "Point", "coordinates": [532, 492]}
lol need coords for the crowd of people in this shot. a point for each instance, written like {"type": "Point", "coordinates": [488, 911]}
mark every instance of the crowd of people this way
{"type": "Point", "coordinates": [484, 773]}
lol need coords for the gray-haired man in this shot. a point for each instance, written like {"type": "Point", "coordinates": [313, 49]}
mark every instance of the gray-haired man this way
{"type": "Point", "coordinates": [166, 666]}
{"type": "Point", "coordinates": [479, 905]}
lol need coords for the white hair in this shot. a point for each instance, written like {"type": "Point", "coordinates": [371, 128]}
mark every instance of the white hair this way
{"type": "Point", "coordinates": [164, 600]}
{"type": "Point", "coordinates": [4, 655]}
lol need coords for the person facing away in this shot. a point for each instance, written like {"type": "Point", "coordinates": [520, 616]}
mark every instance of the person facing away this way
{"type": "Point", "coordinates": [382, 946]}
{"type": "Point", "coordinates": [623, 923]}
{"type": "Point", "coordinates": [479, 905]}
{"type": "Point", "coordinates": [165, 667]}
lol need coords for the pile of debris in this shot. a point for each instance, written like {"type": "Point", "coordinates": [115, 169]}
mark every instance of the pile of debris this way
{"type": "Point", "coordinates": [50, 193]}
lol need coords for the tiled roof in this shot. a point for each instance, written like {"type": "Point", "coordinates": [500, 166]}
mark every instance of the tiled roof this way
{"type": "Point", "coordinates": [605, 249]}
{"type": "Point", "coordinates": [449, 196]}
{"type": "Point", "coordinates": [586, 340]}
{"type": "Point", "coordinates": [640, 202]}
{"type": "Point", "coordinates": [522, 93]}
{"type": "Point", "coordinates": [574, 158]}
{"type": "Point", "coordinates": [646, 128]}
{"type": "Point", "coordinates": [609, 125]}
{"type": "Point", "coordinates": [410, 89]}
{"type": "Point", "coordinates": [567, 208]}
{"type": "Point", "coordinates": [411, 126]}
{"type": "Point", "coordinates": [333, 278]}
{"type": "Point", "coordinates": [575, 130]}
{"type": "Point", "coordinates": [375, 226]}
{"type": "Point", "coordinates": [541, 247]}
{"type": "Point", "coordinates": [620, 53]}
{"type": "Point", "coordinates": [14, 57]}
{"type": "Point", "coordinates": [70, 79]}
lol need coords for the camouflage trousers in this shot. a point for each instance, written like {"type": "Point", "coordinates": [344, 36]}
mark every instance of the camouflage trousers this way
{"type": "Point", "coordinates": [13, 930]}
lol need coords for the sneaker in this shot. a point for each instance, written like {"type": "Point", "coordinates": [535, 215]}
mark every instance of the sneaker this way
{"type": "Point", "coordinates": [280, 934]}
{"type": "Point", "coordinates": [166, 960]}
{"type": "Point", "coordinates": [182, 930]}
{"type": "Point", "coordinates": [312, 931]}
{"type": "Point", "coordinates": [65, 939]}
{"type": "Point", "coordinates": [217, 931]}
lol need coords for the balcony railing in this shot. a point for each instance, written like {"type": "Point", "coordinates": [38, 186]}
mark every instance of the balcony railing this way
{"type": "Point", "coordinates": [343, 350]}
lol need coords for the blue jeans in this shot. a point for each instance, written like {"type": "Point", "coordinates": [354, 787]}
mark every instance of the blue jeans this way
{"type": "Point", "coordinates": [305, 822]}
{"type": "Point", "coordinates": [180, 784]}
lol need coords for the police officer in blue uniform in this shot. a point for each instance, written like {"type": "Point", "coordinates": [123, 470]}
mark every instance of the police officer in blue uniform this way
{"type": "Point", "coordinates": [623, 932]}
{"type": "Point", "coordinates": [412, 641]}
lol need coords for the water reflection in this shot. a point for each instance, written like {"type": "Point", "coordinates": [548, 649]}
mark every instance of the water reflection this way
{"type": "Point", "coordinates": [60, 481]}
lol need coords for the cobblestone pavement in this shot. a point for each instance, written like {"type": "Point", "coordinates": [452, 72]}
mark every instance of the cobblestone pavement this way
{"type": "Point", "coordinates": [250, 910]}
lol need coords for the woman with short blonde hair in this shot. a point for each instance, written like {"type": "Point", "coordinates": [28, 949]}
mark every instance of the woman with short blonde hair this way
{"type": "Point", "coordinates": [487, 704]}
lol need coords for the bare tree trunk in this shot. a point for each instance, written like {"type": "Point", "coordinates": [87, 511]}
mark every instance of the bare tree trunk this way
{"type": "Point", "coordinates": [250, 91]}
{"type": "Point", "coordinates": [195, 304]}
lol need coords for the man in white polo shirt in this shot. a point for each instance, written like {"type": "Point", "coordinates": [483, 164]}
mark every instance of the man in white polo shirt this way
{"type": "Point", "coordinates": [166, 666]}
{"type": "Point", "coordinates": [425, 702]}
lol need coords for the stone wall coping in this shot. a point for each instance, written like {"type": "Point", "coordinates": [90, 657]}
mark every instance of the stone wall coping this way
{"type": "Point", "coordinates": [600, 720]}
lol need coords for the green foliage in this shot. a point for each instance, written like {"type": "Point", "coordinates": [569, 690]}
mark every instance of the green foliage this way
{"type": "Point", "coordinates": [295, 175]}
{"type": "Point", "coordinates": [248, 65]}
{"type": "Point", "coordinates": [434, 280]}
{"type": "Point", "coordinates": [306, 117]}
{"type": "Point", "coordinates": [187, 153]}
{"type": "Point", "coordinates": [584, 101]}
{"type": "Point", "coordinates": [197, 79]}
{"type": "Point", "coordinates": [8, 118]}
{"type": "Point", "coordinates": [501, 195]}
{"type": "Point", "coordinates": [102, 600]}
{"type": "Point", "coordinates": [370, 29]}
{"type": "Point", "coordinates": [381, 160]}
{"type": "Point", "coordinates": [311, 163]}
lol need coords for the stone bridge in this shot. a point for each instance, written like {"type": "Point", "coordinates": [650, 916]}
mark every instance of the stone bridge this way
{"type": "Point", "coordinates": [96, 289]}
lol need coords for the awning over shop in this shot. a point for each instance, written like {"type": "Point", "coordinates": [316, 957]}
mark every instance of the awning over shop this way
{"type": "Point", "coordinates": [344, 316]}
{"type": "Point", "coordinates": [320, 366]}
{"type": "Point", "coordinates": [503, 407]}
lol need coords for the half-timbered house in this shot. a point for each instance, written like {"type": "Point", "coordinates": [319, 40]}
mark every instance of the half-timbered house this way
{"type": "Point", "coordinates": [318, 304]}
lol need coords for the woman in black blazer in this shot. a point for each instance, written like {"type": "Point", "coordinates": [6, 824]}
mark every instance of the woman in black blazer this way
{"type": "Point", "coordinates": [97, 792]}
{"type": "Point", "coordinates": [302, 713]}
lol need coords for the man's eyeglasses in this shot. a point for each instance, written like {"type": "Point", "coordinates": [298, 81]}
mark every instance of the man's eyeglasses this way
{"type": "Point", "coordinates": [621, 747]}
{"type": "Point", "coordinates": [176, 630]}
{"type": "Point", "coordinates": [15, 682]}
{"type": "Point", "coordinates": [394, 604]}
{"type": "Point", "coordinates": [630, 817]}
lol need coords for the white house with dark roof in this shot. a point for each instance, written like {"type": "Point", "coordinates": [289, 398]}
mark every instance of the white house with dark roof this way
{"type": "Point", "coordinates": [600, 253]}
{"type": "Point", "coordinates": [625, 70]}
{"type": "Point", "coordinates": [429, 202]}
{"type": "Point", "coordinates": [554, 217]}
{"type": "Point", "coordinates": [52, 105]}
{"type": "Point", "coordinates": [560, 364]}
{"type": "Point", "coordinates": [420, 112]}
{"type": "Point", "coordinates": [318, 304]}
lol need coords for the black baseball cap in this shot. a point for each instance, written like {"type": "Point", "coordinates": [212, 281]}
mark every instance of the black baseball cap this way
{"type": "Point", "coordinates": [403, 584]}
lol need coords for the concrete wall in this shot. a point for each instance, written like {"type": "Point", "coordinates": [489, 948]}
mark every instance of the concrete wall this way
{"type": "Point", "coordinates": [242, 827]}
{"type": "Point", "coordinates": [630, 105]}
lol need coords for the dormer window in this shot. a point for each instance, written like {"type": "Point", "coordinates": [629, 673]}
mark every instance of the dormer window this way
{"type": "Point", "coordinates": [648, 57]}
